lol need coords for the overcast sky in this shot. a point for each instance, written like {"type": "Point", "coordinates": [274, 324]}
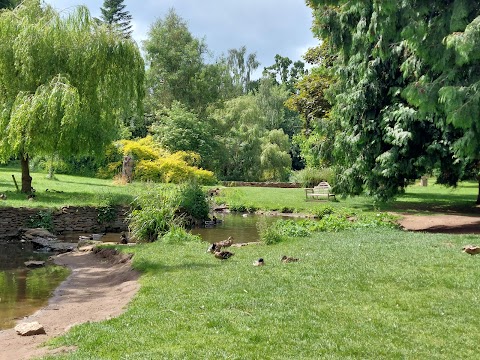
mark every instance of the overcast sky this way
{"type": "Point", "coordinates": [266, 27]}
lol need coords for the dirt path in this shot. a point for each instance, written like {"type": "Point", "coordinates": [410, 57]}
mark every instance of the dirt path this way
{"type": "Point", "coordinates": [452, 224]}
{"type": "Point", "coordinates": [97, 289]}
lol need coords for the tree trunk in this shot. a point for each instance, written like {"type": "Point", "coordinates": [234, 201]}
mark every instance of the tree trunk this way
{"type": "Point", "coordinates": [26, 178]}
{"type": "Point", "coordinates": [478, 196]}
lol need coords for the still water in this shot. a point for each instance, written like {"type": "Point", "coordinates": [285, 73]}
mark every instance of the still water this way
{"type": "Point", "coordinates": [243, 228]}
{"type": "Point", "coordinates": [24, 290]}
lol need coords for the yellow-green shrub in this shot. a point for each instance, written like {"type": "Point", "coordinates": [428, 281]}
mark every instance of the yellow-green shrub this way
{"type": "Point", "coordinates": [171, 170]}
{"type": "Point", "coordinates": [152, 163]}
{"type": "Point", "coordinates": [142, 149]}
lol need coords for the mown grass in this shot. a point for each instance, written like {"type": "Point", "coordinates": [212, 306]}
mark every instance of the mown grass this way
{"type": "Point", "coordinates": [430, 199]}
{"type": "Point", "coordinates": [84, 191]}
{"type": "Point", "coordinates": [65, 190]}
{"type": "Point", "coordinates": [365, 294]}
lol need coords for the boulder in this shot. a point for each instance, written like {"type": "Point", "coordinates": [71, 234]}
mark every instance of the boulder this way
{"type": "Point", "coordinates": [43, 239]}
{"type": "Point", "coordinates": [29, 329]}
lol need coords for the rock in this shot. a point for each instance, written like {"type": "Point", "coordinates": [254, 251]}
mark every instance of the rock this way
{"type": "Point", "coordinates": [46, 241]}
{"type": "Point", "coordinates": [34, 263]}
{"type": "Point", "coordinates": [29, 329]}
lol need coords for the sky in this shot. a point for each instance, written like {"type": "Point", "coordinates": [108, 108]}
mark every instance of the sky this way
{"type": "Point", "coordinates": [265, 27]}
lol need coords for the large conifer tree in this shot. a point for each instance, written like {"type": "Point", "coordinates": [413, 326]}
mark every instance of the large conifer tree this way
{"type": "Point", "coordinates": [407, 97]}
{"type": "Point", "coordinates": [114, 14]}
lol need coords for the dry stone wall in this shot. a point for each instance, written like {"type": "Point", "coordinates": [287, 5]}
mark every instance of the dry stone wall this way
{"type": "Point", "coordinates": [66, 219]}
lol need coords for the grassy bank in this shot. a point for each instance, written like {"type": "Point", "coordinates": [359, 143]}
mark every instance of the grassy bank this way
{"type": "Point", "coordinates": [380, 293]}
{"type": "Point", "coordinates": [374, 292]}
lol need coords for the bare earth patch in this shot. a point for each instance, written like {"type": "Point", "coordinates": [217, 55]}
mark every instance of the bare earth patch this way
{"type": "Point", "coordinates": [98, 288]}
{"type": "Point", "coordinates": [452, 224]}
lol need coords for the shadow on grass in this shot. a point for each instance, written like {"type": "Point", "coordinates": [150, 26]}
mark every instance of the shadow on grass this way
{"type": "Point", "coordinates": [146, 267]}
{"type": "Point", "coordinates": [444, 203]}
{"type": "Point", "coordinates": [60, 198]}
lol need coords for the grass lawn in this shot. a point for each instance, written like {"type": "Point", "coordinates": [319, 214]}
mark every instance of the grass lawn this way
{"type": "Point", "coordinates": [365, 294]}
{"type": "Point", "coordinates": [84, 191]}
{"type": "Point", "coordinates": [64, 190]}
{"type": "Point", "coordinates": [430, 199]}
{"type": "Point", "coordinates": [376, 293]}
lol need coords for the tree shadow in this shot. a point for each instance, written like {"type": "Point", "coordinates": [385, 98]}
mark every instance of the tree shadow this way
{"type": "Point", "coordinates": [146, 266]}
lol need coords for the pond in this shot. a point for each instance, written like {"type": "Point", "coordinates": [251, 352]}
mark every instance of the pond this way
{"type": "Point", "coordinates": [242, 227]}
{"type": "Point", "coordinates": [24, 290]}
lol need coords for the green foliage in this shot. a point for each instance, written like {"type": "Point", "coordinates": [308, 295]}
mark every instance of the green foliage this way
{"type": "Point", "coordinates": [178, 235]}
{"type": "Point", "coordinates": [43, 219]}
{"type": "Point", "coordinates": [114, 14]}
{"type": "Point", "coordinates": [282, 72]}
{"type": "Point", "coordinates": [240, 66]}
{"type": "Point", "coordinates": [310, 177]}
{"type": "Point", "coordinates": [193, 201]}
{"type": "Point", "coordinates": [178, 129]}
{"type": "Point", "coordinates": [159, 209]}
{"type": "Point", "coordinates": [63, 84]}
{"type": "Point", "coordinates": [154, 213]}
{"type": "Point", "coordinates": [391, 64]}
{"type": "Point", "coordinates": [176, 67]}
{"type": "Point", "coordinates": [270, 234]}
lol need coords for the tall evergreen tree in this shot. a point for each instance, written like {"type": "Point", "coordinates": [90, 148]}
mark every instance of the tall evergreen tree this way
{"type": "Point", "coordinates": [395, 61]}
{"type": "Point", "coordinates": [114, 14]}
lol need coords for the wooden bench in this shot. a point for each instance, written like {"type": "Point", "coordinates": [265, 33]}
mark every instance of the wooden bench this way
{"type": "Point", "coordinates": [321, 191]}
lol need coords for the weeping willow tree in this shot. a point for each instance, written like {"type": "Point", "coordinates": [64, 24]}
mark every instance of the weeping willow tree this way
{"type": "Point", "coordinates": [65, 83]}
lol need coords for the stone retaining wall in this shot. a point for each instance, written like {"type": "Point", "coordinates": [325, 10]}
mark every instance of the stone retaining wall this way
{"type": "Point", "coordinates": [67, 219]}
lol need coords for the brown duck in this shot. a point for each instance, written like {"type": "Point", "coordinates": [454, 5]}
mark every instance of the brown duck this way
{"type": "Point", "coordinates": [288, 259]}
{"type": "Point", "coordinates": [223, 255]}
{"type": "Point", "coordinates": [471, 249]}
{"type": "Point", "coordinates": [226, 243]}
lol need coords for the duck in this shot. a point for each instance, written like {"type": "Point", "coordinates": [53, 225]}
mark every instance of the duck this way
{"type": "Point", "coordinates": [259, 262]}
{"type": "Point", "coordinates": [288, 259]}
{"type": "Point", "coordinates": [471, 249]}
{"type": "Point", "coordinates": [223, 255]}
{"type": "Point", "coordinates": [213, 248]}
{"type": "Point", "coordinates": [226, 243]}
{"type": "Point", "coordinates": [123, 238]}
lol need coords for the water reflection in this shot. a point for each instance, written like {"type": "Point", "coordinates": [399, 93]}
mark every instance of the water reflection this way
{"type": "Point", "coordinates": [241, 228]}
{"type": "Point", "coordinates": [23, 291]}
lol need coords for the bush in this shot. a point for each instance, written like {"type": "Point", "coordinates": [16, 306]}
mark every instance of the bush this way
{"type": "Point", "coordinates": [172, 170]}
{"type": "Point", "coordinates": [270, 234]}
{"type": "Point", "coordinates": [178, 235]}
{"type": "Point", "coordinates": [193, 201]}
{"type": "Point", "coordinates": [309, 177]}
{"type": "Point", "coordinates": [155, 213]}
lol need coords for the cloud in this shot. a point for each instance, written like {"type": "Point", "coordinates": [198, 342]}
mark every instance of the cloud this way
{"type": "Point", "coordinates": [266, 27]}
